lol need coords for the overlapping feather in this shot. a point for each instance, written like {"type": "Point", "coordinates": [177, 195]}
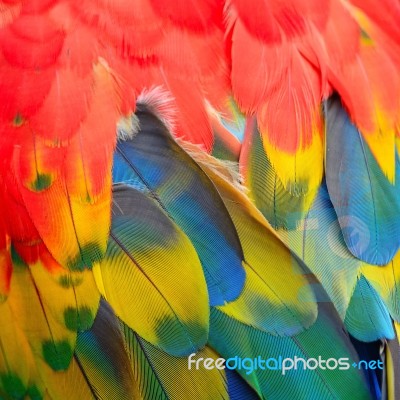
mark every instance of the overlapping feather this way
{"type": "Point", "coordinates": [74, 75]}
{"type": "Point", "coordinates": [152, 162]}
{"type": "Point", "coordinates": [232, 339]}
{"type": "Point", "coordinates": [318, 241]}
{"type": "Point", "coordinates": [265, 302]}
{"type": "Point", "coordinates": [162, 376]}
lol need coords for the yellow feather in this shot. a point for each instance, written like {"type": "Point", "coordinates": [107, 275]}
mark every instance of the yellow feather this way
{"type": "Point", "coordinates": [386, 281]}
{"type": "Point", "coordinates": [152, 277]}
{"type": "Point", "coordinates": [302, 171]}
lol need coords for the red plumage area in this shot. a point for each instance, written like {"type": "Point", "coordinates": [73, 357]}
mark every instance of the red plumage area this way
{"type": "Point", "coordinates": [49, 98]}
{"type": "Point", "coordinates": [282, 87]}
{"type": "Point", "coordinates": [194, 15]}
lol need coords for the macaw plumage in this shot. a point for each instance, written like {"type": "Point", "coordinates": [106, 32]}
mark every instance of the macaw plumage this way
{"type": "Point", "coordinates": [187, 183]}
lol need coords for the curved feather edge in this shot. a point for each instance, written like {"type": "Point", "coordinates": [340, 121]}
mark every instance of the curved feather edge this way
{"type": "Point", "coordinates": [39, 316]}
{"type": "Point", "coordinates": [318, 241]}
{"type": "Point", "coordinates": [367, 318]}
{"type": "Point", "coordinates": [101, 355]}
{"type": "Point", "coordinates": [386, 281]}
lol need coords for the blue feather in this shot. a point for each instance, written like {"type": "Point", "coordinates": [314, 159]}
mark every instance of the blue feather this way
{"type": "Point", "coordinates": [366, 203]}
{"type": "Point", "coordinates": [238, 388]}
{"type": "Point", "coordinates": [154, 163]}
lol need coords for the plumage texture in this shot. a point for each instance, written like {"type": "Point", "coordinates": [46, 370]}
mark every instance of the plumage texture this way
{"type": "Point", "coordinates": [119, 230]}
{"type": "Point", "coordinates": [266, 302]}
{"type": "Point", "coordinates": [277, 90]}
{"type": "Point", "coordinates": [163, 376]}
{"type": "Point", "coordinates": [100, 352]}
{"type": "Point", "coordinates": [238, 388]}
{"type": "Point", "coordinates": [385, 281]}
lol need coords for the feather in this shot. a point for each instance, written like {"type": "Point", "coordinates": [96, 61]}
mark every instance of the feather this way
{"type": "Point", "coordinates": [279, 206]}
{"type": "Point", "coordinates": [59, 202]}
{"type": "Point", "coordinates": [386, 16]}
{"type": "Point", "coordinates": [233, 339]}
{"type": "Point", "coordinates": [130, 27]}
{"type": "Point", "coordinates": [365, 201]}
{"type": "Point", "coordinates": [196, 15]}
{"type": "Point", "coordinates": [149, 272]}
{"type": "Point", "coordinates": [100, 366]}
{"type": "Point", "coordinates": [155, 164]}
{"type": "Point", "coordinates": [250, 85]}
{"type": "Point", "coordinates": [70, 384]}
{"type": "Point", "coordinates": [367, 318]}
{"type": "Point", "coordinates": [291, 125]}
{"type": "Point", "coordinates": [102, 357]}
{"type": "Point", "coordinates": [265, 302]}
{"type": "Point", "coordinates": [71, 297]}
{"type": "Point", "coordinates": [226, 145]}
{"type": "Point", "coordinates": [372, 352]}
{"type": "Point", "coordinates": [48, 125]}
{"type": "Point", "coordinates": [5, 263]}
{"type": "Point", "coordinates": [15, 355]}
{"type": "Point", "coordinates": [162, 376]}
{"type": "Point", "coordinates": [285, 92]}
{"type": "Point", "coordinates": [238, 389]}
{"type": "Point", "coordinates": [386, 280]}
{"type": "Point", "coordinates": [47, 336]}
{"type": "Point", "coordinates": [184, 233]}
{"type": "Point", "coordinates": [195, 128]}
{"type": "Point", "coordinates": [393, 365]}
{"type": "Point", "coordinates": [318, 241]}
{"type": "Point", "coordinates": [379, 26]}
{"type": "Point", "coordinates": [268, 20]}
{"type": "Point", "coordinates": [368, 86]}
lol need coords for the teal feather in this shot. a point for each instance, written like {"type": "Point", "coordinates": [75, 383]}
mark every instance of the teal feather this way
{"type": "Point", "coordinates": [326, 338]}
{"type": "Point", "coordinates": [318, 241]}
{"type": "Point", "coordinates": [367, 317]}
